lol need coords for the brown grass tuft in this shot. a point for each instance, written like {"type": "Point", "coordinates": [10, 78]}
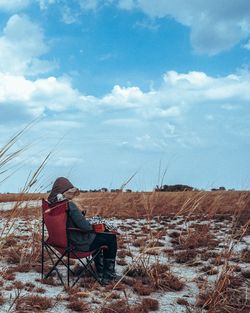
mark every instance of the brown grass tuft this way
{"type": "Point", "coordinates": [2, 300]}
{"type": "Point", "coordinates": [122, 306]}
{"type": "Point", "coordinates": [245, 255]}
{"type": "Point", "coordinates": [197, 237]}
{"type": "Point", "coordinates": [185, 256]}
{"type": "Point", "coordinates": [182, 301]}
{"type": "Point", "coordinates": [33, 303]}
{"type": "Point", "coordinates": [78, 306]}
{"type": "Point", "coordinates": [150, 304]}
{"type": "Point", "coordinates": [226, 296]}
{"type": "Point", "coordinates": [156, 276]}
{"type": "Point", "coordinates": [142, 289]}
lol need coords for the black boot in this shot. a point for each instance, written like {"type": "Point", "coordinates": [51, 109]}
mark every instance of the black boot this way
{"type": "Point", "coordinates": [98, 260]}
{"type": "Point", "coordinates": [109, 273]}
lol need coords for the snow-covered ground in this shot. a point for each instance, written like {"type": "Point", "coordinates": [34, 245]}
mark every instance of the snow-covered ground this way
{"type": "Point", "coordinates": [5, 206]}
{"type": "Point", "coordinates": [156, 236]}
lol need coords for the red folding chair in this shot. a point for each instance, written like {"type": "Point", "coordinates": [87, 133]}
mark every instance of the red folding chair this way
{"type": "Point", "coordinates": [57, 245]}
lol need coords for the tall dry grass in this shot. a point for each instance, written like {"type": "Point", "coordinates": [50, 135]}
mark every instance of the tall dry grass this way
{"type": "Point", "coordinates": [30, 251]}
{"type": "Point", "coordinates": [217, 296]}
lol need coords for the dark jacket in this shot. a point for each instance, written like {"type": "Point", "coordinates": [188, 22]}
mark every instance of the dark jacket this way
{"type": "Point", "coordinates": [76, 220]}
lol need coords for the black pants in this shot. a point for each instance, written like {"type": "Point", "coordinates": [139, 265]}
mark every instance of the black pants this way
{"type": "Point", "coordinates": [105, 239]}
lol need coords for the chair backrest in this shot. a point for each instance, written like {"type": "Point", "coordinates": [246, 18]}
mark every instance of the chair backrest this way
{"type": "Point", "coordinates": [55, 219]}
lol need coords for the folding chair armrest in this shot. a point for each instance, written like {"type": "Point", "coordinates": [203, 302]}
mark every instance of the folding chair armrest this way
{"type": "Point", "coordinates": [80, 230]}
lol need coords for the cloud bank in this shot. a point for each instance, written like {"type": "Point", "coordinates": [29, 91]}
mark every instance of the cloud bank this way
{"type": "Point", "coordinates": [215, 26]}
{"type": "Point", "coordinates": [21, 45]}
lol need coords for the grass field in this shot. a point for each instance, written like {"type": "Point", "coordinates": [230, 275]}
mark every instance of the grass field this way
{"type": "Point", "coordinates": [183, 252]}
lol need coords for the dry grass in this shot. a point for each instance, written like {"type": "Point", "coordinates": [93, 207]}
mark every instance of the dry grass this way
{"type": "Point", "coordinates": [150, 304]}
{"type": "Point", "coordinates": [33, 303]}
{"type": "Point", "coordinates": [154, 277]}
{"type": "Point", "coordinates": [144, 204]}
{"type": "Point", "coordinates": [228, 294]}
{"type": "Point", "coordinates": [182, 301]}
{"type": "Point", "coordinates": [245, 256]}
{"type": "Point", "coordinates": [122, 306]}
{"type": "Point", "coordinates": [185, 256]}
{"type": "Point", "coordinates": [2, 300]}
{"type": "Point", "coordinates": [78, 306]}
{"type": "Point", "coordinates": [196, 238]}
{"type": "Point", "coordinates": [21, 196]}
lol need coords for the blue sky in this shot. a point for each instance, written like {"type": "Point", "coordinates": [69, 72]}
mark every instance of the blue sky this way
{"type": "Point", "coordinates": [125, 86]}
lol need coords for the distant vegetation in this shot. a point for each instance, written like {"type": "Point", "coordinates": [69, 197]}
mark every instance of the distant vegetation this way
{"type": "Point", "coordinates": [170, 188]}
{"type": "Point", "coordinates": [163, 188]}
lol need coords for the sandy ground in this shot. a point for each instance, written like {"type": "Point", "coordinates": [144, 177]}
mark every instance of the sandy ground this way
{"type": "Point", "coordinates": [143, 242]}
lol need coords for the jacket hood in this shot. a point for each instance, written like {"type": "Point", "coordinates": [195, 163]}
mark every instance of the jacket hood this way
{"type": "Point", "coordinates": [60, 185]}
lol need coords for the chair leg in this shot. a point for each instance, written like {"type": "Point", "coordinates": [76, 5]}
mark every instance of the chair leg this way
{"type": "Point", "coordinates": [61, 258]}
{"type": "Point", "coordinates": [87, 268]}
{"type": "Point", "coordinates": [87, 265]}
{"type": "Point", "coordinates": [68, 268]}
{"type": "Point", "coordinates": [42, 256]}
{"type": "Point", "coordinates": [42, 260]}
{"type": "Point", "coordinates": [54, 266]}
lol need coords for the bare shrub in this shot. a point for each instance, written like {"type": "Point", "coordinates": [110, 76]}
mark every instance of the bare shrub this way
{"type": "Point", "coordinates": [49, 281]}
{"type": "Point", "coordinates": [182, 301]}
{"type": "Point", "coordinates": [124, 252]}
{"type": "Point", "coordinates": [185, 256]}
{"type": "Point", "coordinates": [209, 270]}
{"type": "Point", "coordinates": [198, 237]}
{"type": "Point", "coordinates": [39, 290]}
{"type": "Point", "coordinates": [142, 289]}
{"type": "Point", "coordinates": [206, 255]}
{"type": "Point", "coordinates": [33, 303]}
{"type": "Point", "coordinates": [8, 274]}
{"type": "Point", "coordinates": [150, 304]}
{"type": "Point", "coordinates": [156, 275]}
{"type": "Point", "coordinates": [245, 256]}
{"type": "Point", "coordinates": [2, 300]}
{"type": "Point", "coordinates": [78, 306]}
{"type": "Point", "coordinates": [168, 281]}
{"type": "Point", "coordinates": [122, 306]}
{"type": "Point", "coordinates": [174, 234]}
{"type": "Point", "coordinates": [139, 242]}
{"type": "Point", "coordinates": [226, 296]}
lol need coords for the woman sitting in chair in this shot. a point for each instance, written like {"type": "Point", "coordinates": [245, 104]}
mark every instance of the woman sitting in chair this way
{"type": "Point", "coordinates": [105, 262]}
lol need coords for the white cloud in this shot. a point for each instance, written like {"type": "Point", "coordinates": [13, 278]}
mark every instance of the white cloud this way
{"type": "Point", "coordinates": [21, 45]}
{"type": "Point", "coordinates": [152, 120]}
{"type": "Point", "coordinates": [68, 16]}
{"type": "Point", "coordinates": [35, 97]}
{"type": "Point", "coordinates": [175, 96]}
{"type": "Point", "coordinates": [184, 116]}
{"type": "Point", "coordinates": [88, 4]}
{"type": "Point", "coordinates": [247, 45]}
{"type": "Point", "coordinates": [44, 4]}
{"type": "Point", "coordinates": [126, 4]}
{"type": "Point", "coordinates": [215, 25]}
{"type": "Point", "coordinates": [14, 5]}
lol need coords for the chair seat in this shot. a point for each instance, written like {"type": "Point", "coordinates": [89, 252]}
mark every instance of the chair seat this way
{"type": "Point", "coordinates": [77, 254]}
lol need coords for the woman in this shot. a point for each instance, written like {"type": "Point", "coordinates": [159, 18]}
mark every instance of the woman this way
{"type": "Point", "coordinates": [105, 263]}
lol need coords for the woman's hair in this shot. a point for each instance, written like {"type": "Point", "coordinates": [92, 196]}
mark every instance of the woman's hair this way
{"type": "Point", "coordinates": [72, 192]}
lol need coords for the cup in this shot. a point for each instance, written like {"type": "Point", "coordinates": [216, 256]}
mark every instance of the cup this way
{"type": "Point", "coordinates": [99, 228]}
